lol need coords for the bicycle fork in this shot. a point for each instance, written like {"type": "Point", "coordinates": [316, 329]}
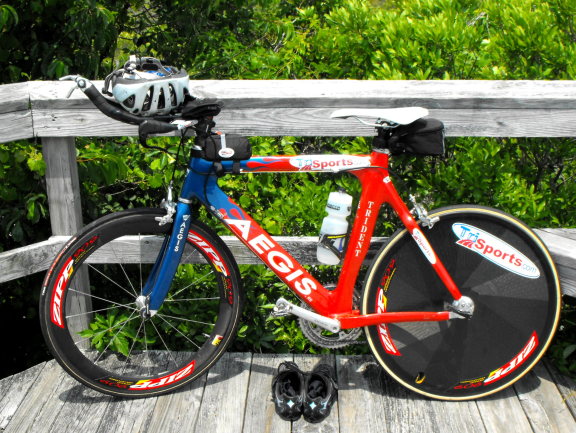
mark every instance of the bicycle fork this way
{"type": "Point", "coordinates": [156, 288]}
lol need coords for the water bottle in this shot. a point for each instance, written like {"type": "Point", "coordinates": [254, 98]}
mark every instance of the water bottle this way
{"type": "Point", "coordinates": [334, 228]}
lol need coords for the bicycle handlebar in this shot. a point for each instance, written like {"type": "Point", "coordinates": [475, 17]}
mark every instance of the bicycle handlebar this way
{"type": "Point", "coordinates": [146, 126]}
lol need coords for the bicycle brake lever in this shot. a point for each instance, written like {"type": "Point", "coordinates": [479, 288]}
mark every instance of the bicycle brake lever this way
{"type": "Point", "coordinates": [81, 83]}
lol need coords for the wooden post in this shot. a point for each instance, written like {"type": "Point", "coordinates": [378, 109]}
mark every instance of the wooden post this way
{"type": "Point", "coordinates": [62, 185]}
{"type": "Point", "coordinates": [63, 188]}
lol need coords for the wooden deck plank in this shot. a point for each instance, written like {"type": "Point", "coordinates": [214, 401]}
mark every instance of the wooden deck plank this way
{"type": "Point", "coordinates": [503, 412]}
{"type": "Point", "coordinates": [260, 415]}
{"type": "Point", "coordinates": [566, 386]}
{"type": "Point", "coordinates": [406, 411]}
{"type": "Point", "coordinates": [235, 396]}
{"type": "Point", "coordinates": [127, 416]}
{"type": "Point", "coordinates": [177, 412]}
{"type": "Point", "coordinates": [543, 403]}
{"type": "Point", "coordinates": [458, 416]}
{"type": "Point", "coordinates": [360, 407]}
{"type": "Point", "coordinates": [445, 94]}
{"type": "Point", "coordinates": [316, 122]}
{"type": "Point", "coordinates": [224, 401]}
{"type": "Point", "coordinates": [82, 410]}
{"type": "Point", "coordinates": [13, 390]}
{"type": "Point", "coordinates": [42, 403]}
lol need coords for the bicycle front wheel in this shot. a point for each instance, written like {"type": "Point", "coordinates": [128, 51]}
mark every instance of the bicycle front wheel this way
{"type": "Point", "coordinates": [500, 264]}
{"type": "Point", "coordinates": [92, 321]}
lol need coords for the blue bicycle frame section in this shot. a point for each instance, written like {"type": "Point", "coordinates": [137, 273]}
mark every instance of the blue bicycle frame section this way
{"type": "Point", "coordinates": [199, 184]}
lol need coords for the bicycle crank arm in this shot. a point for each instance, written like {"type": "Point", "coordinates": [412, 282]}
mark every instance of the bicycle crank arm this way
{"type": "Point", "coordinates": [284, 308]}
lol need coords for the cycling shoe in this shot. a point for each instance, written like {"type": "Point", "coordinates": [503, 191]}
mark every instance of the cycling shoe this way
{"type": "Point", "coordinates": [320, 393]}
{"type": "Point", "coordinates": [287, 391]}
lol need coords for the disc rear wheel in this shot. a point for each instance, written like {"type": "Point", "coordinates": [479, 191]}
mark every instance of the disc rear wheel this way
{"type": "Point", "coordinates": [496, 261]}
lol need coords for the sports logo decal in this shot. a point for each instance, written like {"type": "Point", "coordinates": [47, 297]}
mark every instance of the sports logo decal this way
{"type": "Point", "coordinates": [329, 162]}
{"type": "Point", "coordinates": [494, 249]}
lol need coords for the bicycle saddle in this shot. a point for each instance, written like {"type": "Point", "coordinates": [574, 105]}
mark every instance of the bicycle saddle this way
{"type": "Point", "coordinates": [400, 116]}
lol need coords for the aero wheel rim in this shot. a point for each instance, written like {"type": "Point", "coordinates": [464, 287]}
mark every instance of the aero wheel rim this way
{"type": "Point", "coordinates": [120, 348]}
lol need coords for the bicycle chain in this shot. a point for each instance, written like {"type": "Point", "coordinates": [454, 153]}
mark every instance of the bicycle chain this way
{"type": "Point", "coordinates": [320, 337]}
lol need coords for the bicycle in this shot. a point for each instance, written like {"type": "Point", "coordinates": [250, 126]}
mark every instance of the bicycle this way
{"type": "Point", "coordinates": [460, 303]}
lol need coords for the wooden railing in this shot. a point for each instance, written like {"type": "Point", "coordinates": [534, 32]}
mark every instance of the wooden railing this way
{"type": "Point", "coordinates": [275, 108]}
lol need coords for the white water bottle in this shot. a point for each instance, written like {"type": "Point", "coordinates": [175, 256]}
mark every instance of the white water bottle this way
{"type": "Point", "coordinates": [334, 228]}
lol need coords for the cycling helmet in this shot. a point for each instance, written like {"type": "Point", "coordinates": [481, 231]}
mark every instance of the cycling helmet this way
{"type": "Point", "coordinates": [146, 88]}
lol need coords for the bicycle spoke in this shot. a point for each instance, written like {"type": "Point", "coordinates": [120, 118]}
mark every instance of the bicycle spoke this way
{"type": "Point", "coordinates": [71, 316]}
{"type": "Point", "coordinates": [140, 264]}
{"type": "Point", "coordinates": [164, 343]}
{"type": "Point", "coordinates": [127, 306]}
{"type": "Point", "coordinates": [215, 298]}
{"type": "Point", "coordinates": [184, 320]}
{"type": "Point", "coordinates": [112, 281]}
{"type": "Point", "coordinates": [132, 347]}
{"type": "Point", "coordinates": [193, 283]}
{"type": "Point", "coordinates": [179, 332]}
{"type": "Point", "coordinates": [115, 335]}
{"type": "Point", "coordinates": [105, 330]}
{"type": "Point", "coordinates": [124, 271]}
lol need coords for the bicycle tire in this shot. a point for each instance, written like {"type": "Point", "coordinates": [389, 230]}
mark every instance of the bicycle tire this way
{"type": "Point", "coordinates": [499, 263]}
{"type": "Point", "coordinates": [94, 329]}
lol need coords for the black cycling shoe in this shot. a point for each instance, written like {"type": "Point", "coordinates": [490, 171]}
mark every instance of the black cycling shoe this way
{"type": "Point", "coordinates": [287, 391]}
{"type": "Point", "coordinates": [320, 393]}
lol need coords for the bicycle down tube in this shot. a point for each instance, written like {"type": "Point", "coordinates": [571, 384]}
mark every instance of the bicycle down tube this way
{"type": "Point", "coordinates": [377, 189]}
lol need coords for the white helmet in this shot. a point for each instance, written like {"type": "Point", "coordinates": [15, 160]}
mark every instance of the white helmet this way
{"type": "Point", "coordinates": [146, 88]}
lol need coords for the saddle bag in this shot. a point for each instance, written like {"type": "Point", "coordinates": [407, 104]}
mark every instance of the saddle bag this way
{"type": "Point", "coordinates": [422, 137]}
{"type": "Point", "coordinates": [224, 147]}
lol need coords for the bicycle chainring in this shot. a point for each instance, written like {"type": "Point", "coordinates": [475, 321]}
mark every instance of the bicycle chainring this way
{"type": "Point", "coordinates": [322, 338]}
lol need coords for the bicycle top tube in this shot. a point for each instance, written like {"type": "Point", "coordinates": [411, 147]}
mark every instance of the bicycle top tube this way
{"type": "Point", "coordinates": [296, 163]}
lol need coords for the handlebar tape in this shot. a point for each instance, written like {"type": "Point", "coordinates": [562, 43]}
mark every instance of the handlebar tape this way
{"type": "Point", "coordinates": [146, 126]}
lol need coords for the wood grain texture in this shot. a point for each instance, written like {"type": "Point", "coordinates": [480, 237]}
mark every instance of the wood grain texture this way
{"type": "Point", "coordinates": [14, 389]}
{"type": "Point", "coordinates": [62, 185]}
{"type": "Point", "coordinates": [260, 415]}
{"type": "Point", "coordinates": [315, 121]}
{"type": "Point", "coordinates": [503, 413]}
{"type": "Point", "coordinates": [235, 396]}
{"type": "Point", "coordinates": [544, 406]}
{"type": "Point", "coordinates": [15, 97]}
{"type": "Point", "coordinates": [302, 107]}
{"type": "Point", "coordinates": [224, 399]}
{"type": "Point", "coordinates": [16, 125]}
{"type": "Point", "coordinates": [457, 94]}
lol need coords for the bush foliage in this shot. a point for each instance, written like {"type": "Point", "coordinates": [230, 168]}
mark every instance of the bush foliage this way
{"type": "Point", "coordinates": [533, 179]}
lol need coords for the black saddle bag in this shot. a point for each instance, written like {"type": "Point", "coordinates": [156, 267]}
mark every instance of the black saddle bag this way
{"type": "Point", "coordinates": [422, 137]}
{"type": "Point", "coordinates": [224, 147]}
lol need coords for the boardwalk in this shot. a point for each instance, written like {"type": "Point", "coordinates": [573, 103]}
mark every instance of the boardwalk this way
{"type": "Point", "coordinates": [235, 397]}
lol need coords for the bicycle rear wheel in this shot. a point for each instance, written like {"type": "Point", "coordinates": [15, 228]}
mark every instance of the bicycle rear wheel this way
{"type": "Point", "coordinates": [502, 266]}
{"type": "Point", "coordinates": [93, 325]}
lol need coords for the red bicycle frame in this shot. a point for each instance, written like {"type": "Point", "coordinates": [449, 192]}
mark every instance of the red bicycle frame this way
{"type": "Point", "coordinates": [377, 189]}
